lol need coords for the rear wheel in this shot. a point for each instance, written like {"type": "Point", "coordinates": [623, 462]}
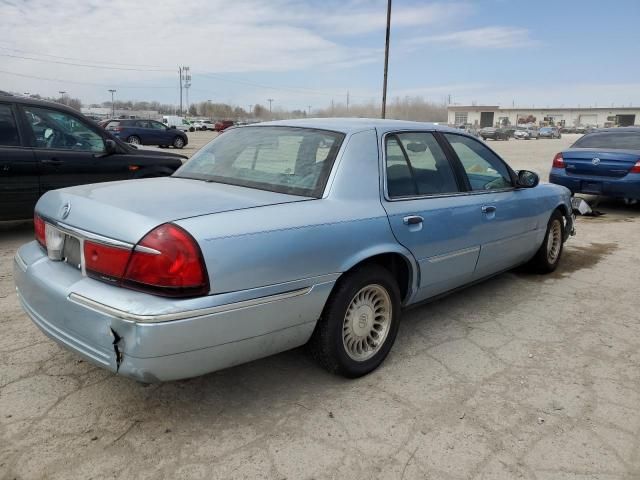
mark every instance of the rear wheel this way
{"type": "Point", "coordinates": [359, 323]}
{"type": "Point", "coordinates": [178, 142]}
{"type": "Point", "coordinates": [133, 139]}
{"type": "Point", "coordinates": [547, 257]}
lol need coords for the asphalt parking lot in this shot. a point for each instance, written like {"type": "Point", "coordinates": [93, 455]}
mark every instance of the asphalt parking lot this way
{"type": "Point", "coordinates": [521, 377]}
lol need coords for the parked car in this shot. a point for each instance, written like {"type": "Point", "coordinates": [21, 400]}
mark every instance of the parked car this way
{"type": "Point", "coordinates": [208, 125]}
{"type": "Point", "coordinates": [198, 125]}
{"type": "Point", "coordinates": [179, 123]}
{"type": "Point", "coordinates": [550, 132]}
{"type": "Point", "coordinates": [606, 162]}
{"type": "Point", "coordinates": [288, 232]}
{"type": "Point", "coordinates": [526, 133]}
{"type": "Point", "coordinates": [223, 125]}
{"type": "Point", "coordinates": [147, 132]}
{"type": "Point", "coordinates": [494, 133]}
{"type": "Point", "coordinates": [44, 146]}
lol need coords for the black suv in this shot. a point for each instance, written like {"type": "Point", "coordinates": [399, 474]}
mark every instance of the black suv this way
{"type": "Point", "coordinates": [45, 146]}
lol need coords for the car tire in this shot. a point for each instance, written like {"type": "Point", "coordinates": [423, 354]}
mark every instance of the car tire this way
{"type": "Point", "coordinates": [134, 139]}
{"type": "Point", "coordinates": [363, 307]}
{"type": "Point", "coordinates": [178, 142]}
{"type": "Point", "coordinates": [547, 257]}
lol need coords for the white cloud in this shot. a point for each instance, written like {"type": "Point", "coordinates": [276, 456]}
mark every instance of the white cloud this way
{"type": "Point", "coordinates": [494, 37]}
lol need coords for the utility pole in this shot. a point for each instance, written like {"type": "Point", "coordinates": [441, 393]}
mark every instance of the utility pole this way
{"type": "Point", "coordinates": [386, 61]}
{"type": "Point", "coordinates": [187, 84]}
{"type": "Point", "coordinates": [113, 107]}
{"type": "Point", "coordinates": [309, 109]}
{"type": "Point", "coordinates": [180, 87]}
{"type": "Point", "coordinates": [347, 101]}
{"type": "Point", "coordinates": [332, 107]}
{"type": "Point", "coordinates": [269, 100]}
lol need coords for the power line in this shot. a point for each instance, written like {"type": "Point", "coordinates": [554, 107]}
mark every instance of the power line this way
{"type": "Point", "coordinates": [101, 67]}
{"type": "Point", "coordinates": [83, 59]}
{"type": "Point", "coordinates": [82, 83]}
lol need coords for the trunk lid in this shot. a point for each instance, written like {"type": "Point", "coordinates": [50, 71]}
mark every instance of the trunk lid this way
{"type": "Point", "coordinates": [127, 210]}
{"type": "Point", "coordinates": [598, 163]}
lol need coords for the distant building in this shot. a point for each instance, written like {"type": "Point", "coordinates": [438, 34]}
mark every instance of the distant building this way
{"type": "Point", "coordinates": [493, 115]}
{"type": "Point", "coordinates": [105, 112]}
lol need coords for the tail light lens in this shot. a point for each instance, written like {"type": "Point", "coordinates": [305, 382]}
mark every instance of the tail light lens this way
{"type": "Point", "coordinates": [636, 167]}
{"type": "Point", "coordinates": [558, 161]}
{"type": "Point", "coordinates": [105, 262]}
{"type": "Point", "coordinates": [39, 229]}
{"type": "Point", "coordinates": [167, 261]}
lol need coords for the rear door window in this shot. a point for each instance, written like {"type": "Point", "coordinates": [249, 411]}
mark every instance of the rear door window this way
{"type": "Point", "coordinates": [9, 136]}
{"type": "Point", "coordinates": [416, 165]}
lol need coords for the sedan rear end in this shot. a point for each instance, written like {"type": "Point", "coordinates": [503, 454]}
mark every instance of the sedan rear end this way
{"type": "Point", "coordinates": [604, 163]}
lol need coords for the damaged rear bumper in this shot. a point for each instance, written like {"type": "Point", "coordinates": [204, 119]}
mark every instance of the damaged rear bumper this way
{"type": "Point", "coordinates": [116, 329]}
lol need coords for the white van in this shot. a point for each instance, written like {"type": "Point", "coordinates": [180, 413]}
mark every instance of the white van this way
{"type": "Point", "coordinates": [180, 123]}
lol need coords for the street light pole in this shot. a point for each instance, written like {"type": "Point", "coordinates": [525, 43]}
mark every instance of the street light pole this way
{"type": "Point", "coordinates": [113, 107]}
{"type": "Point", "coordinates": [269, 100]}
{"type": "Point", "coordinates": [386, 61]}
{"type": "Point", "coordinates": [62, 92]}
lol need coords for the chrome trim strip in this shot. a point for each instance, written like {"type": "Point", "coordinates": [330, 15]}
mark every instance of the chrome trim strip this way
{"type": "Point", "coordinates": [143, 249]}
{"type": "Point", "coordinates": [92, 236]}
{"type": "Point", "coordinates": [21, 263]}
{"type": "Point", "coordinates": [447, 256]}
{"type": "Point", "coordinates": [166, 317]}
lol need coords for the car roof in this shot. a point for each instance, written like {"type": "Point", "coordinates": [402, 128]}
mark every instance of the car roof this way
{"type": "Point", "coordinates": [37, 102]}
{"type": "Point", "coordinates": [616, 130]}
{"type": "Point", "coordinates": [353, 125]}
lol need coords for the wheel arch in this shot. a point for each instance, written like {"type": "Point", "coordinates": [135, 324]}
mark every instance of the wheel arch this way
{"type": "Point", "coordinates": [397, 260]}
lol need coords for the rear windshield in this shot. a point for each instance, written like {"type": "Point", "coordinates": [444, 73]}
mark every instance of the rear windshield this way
{"type": "Point", "coordinates": [288, 160]}
{"type": "Point", "coordinates": [610, 140]}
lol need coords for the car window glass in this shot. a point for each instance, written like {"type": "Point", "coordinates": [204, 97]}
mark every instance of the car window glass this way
{"type": "Point", "coordinates": [8, 130]}
{"type": "Point", "coordinates": [424, 170]}
{"type": "Point", "coordinates": [157, 126]}
{"type": "Point", "coordinates": [54, 129]}
{"type": "Point", "coordinates": [281, 159]}
{"type": "Point", "coordinates": [615, 140]}
{"type": "Point", "coordinates": [112, 125]}
{"type": "Point", "coordinates": [142, 124]}
{"type": "Point", "coordinates": [484, 169]}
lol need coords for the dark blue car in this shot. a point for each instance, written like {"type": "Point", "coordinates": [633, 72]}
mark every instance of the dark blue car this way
{"type": "Point", "coordinates": [146, 132]}
{"type": "Point", "coordinates": [605, 162]}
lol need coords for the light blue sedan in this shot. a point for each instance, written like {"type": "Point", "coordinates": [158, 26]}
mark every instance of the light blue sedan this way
{"type": "Point", "coordinates": [277, 235]}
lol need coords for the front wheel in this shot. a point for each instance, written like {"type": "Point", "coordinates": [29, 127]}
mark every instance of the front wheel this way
{"type": "Point", "coordinates": [359, 323]}
{"type": "Point", "coordinates": [547, 257]}
{"type": "Point", "coordinates": [178, 142]}
{"type": "Point", "coordinates": [133, 140]}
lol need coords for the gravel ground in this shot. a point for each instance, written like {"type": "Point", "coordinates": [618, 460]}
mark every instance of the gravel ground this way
{"type": "Point", "coordinates": [523, 376]}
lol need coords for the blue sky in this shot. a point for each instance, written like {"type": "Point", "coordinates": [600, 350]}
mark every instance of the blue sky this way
{"type": "Point", "coordinates": [310, 53]}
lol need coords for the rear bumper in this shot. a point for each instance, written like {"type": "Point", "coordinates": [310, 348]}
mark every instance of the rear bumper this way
{"type": "Point", "coordinates": [623, 187]}
{"type": "Point", "coordinates": [161, 346]}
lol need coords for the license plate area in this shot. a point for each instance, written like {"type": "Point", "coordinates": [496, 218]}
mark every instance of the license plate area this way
{"type": "Point", "coordinates": [591, 187]}
{"type": "Point", "coordinates": [62, 247]}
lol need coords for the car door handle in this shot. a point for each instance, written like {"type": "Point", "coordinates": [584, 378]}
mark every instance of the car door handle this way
{"type": "Point", "coordinates": [413, 220]}
{"type": "Point", "coordinates": [488, 209]}
{"type": "Point", "coordinates": [52, 161]}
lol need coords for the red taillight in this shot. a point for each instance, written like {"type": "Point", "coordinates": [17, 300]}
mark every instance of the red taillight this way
{"type": "Point", "coordinates": [558, 161]}
{"type": "Point", "coordinates": [636, 167]}
{"type": "Point", "coordinates": [39, 229]}
{"type": "Point", "coordinates": [167, 261]}
{"type": "Point", "coordinates": [104, 261]}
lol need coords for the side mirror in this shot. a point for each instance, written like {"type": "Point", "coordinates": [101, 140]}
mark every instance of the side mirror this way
{"type": "Point", "coordinates": [172, 127]}
{"type": "Point", "coordinates": [528, 179]}
{"type": "Point", "coordinates": [110, 146]}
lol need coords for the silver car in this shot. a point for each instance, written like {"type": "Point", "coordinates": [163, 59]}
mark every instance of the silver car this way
{"type": "Point", "coordinates": [276, 235]}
